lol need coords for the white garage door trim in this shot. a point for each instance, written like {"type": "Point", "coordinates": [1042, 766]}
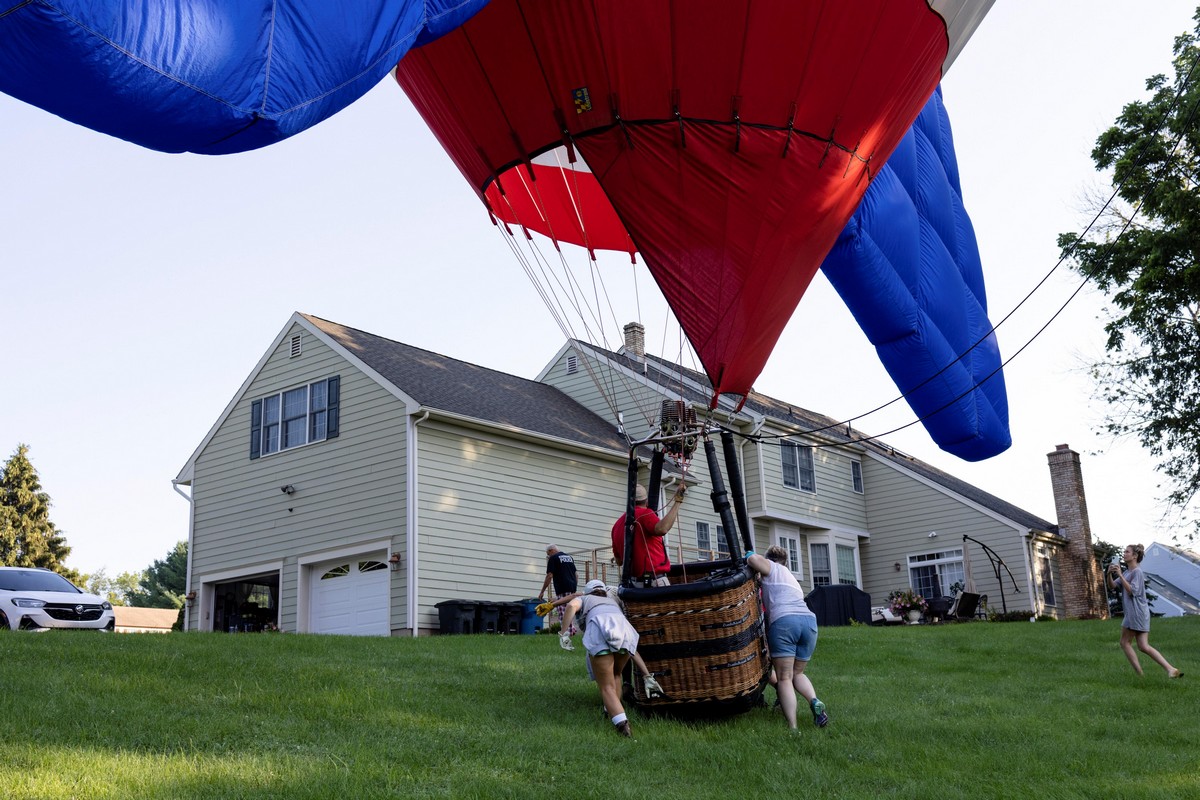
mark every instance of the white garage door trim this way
{"type": "Point", "coordinates": [350, 596]}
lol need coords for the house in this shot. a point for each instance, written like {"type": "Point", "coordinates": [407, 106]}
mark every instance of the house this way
{"type": "Point", "coordinates": [353, 483]}
{"type": "Point", "coordinates": [131, 619]}
{"type": "Point", "coordinates": [1174, 579]}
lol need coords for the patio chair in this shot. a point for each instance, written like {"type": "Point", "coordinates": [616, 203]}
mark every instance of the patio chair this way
{"type": "Point", "coordinates": [885, 616]}
{"type": "Point", "coordinates": [965, 606]}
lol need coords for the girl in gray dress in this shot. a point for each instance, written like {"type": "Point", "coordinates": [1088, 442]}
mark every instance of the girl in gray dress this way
{"type": "Point", "coordinates": [1136, 625]}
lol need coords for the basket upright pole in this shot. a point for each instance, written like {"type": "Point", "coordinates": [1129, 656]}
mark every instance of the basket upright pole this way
{"type": "Point", "coordinates": [630, 521]}
{"type": "Point", "coordinates": [734, 471]}
{"type": "Point", "coordinates": [720, 501]}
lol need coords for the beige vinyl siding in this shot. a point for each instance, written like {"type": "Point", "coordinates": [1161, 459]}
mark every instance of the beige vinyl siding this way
{"type": "Point", "coordinates": [902, 512]}
{"type": "Point", "coordinates": [834, 502]}
{"type": "Point", "coordinates": [639, 404]}
{"type": "Point", "coordinates": [348, 489]}
{"type": "Point", "coordinates": [489, 505]}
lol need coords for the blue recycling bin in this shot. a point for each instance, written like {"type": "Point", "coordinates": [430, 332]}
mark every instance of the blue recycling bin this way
{"type": "Point", "coordinates": [530, 621]}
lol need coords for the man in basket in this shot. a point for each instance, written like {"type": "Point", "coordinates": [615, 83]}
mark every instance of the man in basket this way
{"type": "Point", "coordinates": [650, 561]}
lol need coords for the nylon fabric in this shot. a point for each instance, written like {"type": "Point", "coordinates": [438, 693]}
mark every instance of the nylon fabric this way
{"type": "Point", "coordinates": [907, 265]}
{"type": "Point", "coordinates": [209, 76]}
{"type": "Point", "coordinates": [683, 112]}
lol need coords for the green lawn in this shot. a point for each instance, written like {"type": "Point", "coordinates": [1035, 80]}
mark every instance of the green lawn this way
{"type": "Point", "coordinates": [975, 710]}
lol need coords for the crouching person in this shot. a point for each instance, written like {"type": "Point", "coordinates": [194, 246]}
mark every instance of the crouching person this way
{"type": "Point", "coordinates": [610, 641]}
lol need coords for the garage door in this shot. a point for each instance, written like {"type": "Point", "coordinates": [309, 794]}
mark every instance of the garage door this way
{"type": "Point", "coordinates": [351, 597]}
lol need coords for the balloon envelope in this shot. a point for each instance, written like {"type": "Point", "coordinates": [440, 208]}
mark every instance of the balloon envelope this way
{"type": "Point", "coordinates": [732, 139]}
{"type": "Point", "coordinates": [907, 265]}
{"type": "Point", "coordinates": [208, 76]}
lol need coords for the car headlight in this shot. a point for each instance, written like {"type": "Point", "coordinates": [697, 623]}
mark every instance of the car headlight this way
{"type": "Point", "coordinates": [107, 606]}
{"type": "Point", "coordinates": [27, 602]}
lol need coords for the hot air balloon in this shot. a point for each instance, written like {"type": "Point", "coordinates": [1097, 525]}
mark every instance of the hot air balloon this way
{"type": "Point", "coordinates": [208, 76]}
{"type": "Point", "coordinates": [727, 142]}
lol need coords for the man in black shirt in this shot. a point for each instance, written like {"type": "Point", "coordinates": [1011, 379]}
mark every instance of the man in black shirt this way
{"type": "Point", "coordinates": [560, 568]}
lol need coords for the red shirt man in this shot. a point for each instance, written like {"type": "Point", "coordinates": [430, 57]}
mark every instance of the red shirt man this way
{"type": "Point", "coordinates": [649, 554]}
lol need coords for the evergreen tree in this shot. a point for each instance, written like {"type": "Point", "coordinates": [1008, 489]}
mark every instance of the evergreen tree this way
{"type": "Point", "coordinates": [1148, 264]}
{"type": "Point", "coordinates": [164, 582]}
{"type": "Point", "coordinates": [115, 590]}
{"type": "Point", "coordinates": [27, 536]}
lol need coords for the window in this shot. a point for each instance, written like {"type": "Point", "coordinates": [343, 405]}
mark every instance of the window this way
{"type": "Point", "coordinates": [819, 561]}
{"type": "Point", "coordinates": [1047, 577]}
{"type": "Point", "coordinates": [932, 574]}
{"type": "Point", "coordinates": [711, 550]}
{"type": "Point", "coordinates": [722, 544]}
{"type": "Point", "coordinates": [798, 466]}
{"type": "Point", "coordinates": [856, 476]}
{"type": "Point", "coordinates": [791, 545]}
{"type": "Point", "coordinates": [294, 417]}
{"type": "Point", "coordinates": [703, 542]}
{"type": "Point", "coordinates": [846, 572]}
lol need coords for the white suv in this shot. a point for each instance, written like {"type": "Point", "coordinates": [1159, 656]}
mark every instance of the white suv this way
{"type": "Point", "coordinates": [36, 599]}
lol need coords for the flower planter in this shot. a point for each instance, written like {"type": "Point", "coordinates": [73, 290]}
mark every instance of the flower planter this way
{"type": "Point", "coordinates": [913, 616]}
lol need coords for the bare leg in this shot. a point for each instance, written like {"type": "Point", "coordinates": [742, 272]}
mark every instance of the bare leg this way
{"type": "Point", "coordinates": [785, 688]}
{"type": "Point", "coordinates": [1127, 646]}
{"type": "Point", "coordinates": [608, 681]}
{"type": "Point", "coordinates": [803, 685]}
{"type": "Point", "coordinates": [1143, 643]}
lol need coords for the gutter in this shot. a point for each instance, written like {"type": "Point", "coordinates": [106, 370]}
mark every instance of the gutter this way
{"type": "Point", "coordinates": [412, 517]}
{"type": "Point", "coordinates": [187, 617]}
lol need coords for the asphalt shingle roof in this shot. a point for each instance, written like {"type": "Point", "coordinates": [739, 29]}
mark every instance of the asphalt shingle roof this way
{"type": "Point", "coordinates": [458, 387]}
{"type": "Point", "coordinates": [448, 384]}
{"type": "Point", "coordinates": [673, 377]}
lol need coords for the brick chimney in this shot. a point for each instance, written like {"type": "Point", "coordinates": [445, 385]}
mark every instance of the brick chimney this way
{"type": "Point", "coordinates": [635, 340]}
{"type": "Point", "coordinates": [1083, 585]}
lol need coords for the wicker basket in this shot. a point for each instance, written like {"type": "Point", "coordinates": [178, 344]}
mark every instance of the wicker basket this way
{"type": "Point", "coordinates": [703, 638]}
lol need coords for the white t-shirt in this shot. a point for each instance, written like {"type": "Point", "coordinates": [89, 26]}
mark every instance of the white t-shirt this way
{"type": "Point", "coordinates": [781, 593]}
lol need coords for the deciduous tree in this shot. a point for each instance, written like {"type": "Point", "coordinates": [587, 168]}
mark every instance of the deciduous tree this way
{"type": "Point", "coordinates": [1146, 257]}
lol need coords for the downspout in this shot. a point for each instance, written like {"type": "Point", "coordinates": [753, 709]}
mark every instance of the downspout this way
{"type": "Point", "coordinates": [1027, 554]}
{"type": "Point", "coordinates": [187, 617]}
{"type": "Point", "coordinates": [411, 518]}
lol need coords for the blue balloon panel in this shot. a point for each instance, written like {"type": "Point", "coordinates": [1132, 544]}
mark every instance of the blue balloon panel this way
{"type": "Point", "coordinates": [208, 76]}
{"type": "Point", "coordinates": [907, 265]}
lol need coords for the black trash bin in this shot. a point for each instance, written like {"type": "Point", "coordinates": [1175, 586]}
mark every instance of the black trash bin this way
{"type": "Point", "coordinates": [487, 617]}
{"type": "Point", "coordinates": [510, 617]}
{"type": "Point", "coordinates": [457, 616]}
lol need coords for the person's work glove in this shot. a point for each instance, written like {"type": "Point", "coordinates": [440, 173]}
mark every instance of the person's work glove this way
{"type": "Point", "coordinates": [564, 641]}
{"type": "Point", "coordinates": [543, 609]}
{"type": "Point", "coordinates": [653, 689]}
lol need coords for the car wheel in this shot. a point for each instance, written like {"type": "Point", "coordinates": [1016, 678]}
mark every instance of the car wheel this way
{"type": "Point", "coordinates": [4, 626]}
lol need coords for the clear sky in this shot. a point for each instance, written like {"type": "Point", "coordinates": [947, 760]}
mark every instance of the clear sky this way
{"type": "Point", "coordinates": [138, 289]}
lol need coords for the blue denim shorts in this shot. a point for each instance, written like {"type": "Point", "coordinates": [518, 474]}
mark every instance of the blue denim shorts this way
{"type": "Point", "coordinates": [794, 635]}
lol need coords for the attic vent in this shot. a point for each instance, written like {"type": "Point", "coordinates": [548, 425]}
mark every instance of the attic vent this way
{"type": "Point", "coordinates": [295, 346]}
{"type": "Point", "coordinates": [572, 365]}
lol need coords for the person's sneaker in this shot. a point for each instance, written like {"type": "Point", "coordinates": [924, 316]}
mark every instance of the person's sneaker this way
{"type": "Point", "coordinates": [820, 718]}
{"type": "Point", "coordinates": [624, 729]}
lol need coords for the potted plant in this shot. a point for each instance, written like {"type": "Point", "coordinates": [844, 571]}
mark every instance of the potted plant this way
{"type": "Point", "coordinates": [907, 603]}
